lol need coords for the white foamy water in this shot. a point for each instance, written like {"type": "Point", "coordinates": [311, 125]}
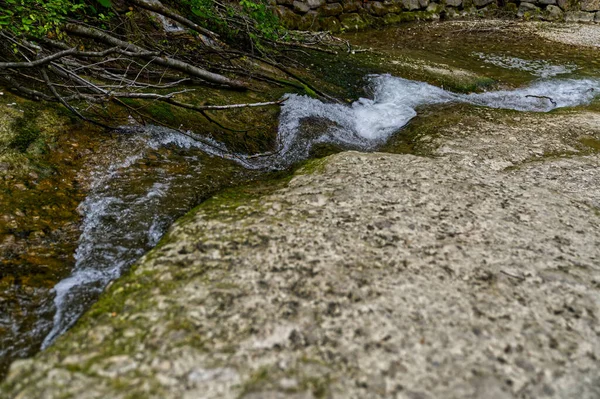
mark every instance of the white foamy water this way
{"type": "Point", "coordinates": [119, 226]}
{"type": "Point", "coordinates": [367, 123]}
{"type": "Point", "coordinates": [540, 68]}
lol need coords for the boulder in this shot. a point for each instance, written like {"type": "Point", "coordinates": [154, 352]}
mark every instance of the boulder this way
{"type": "Point", "coordinates": [450, 13]}
{"type": "Point", "coordinates": [310, 21]}
{"type": "Point", "coordinates": [351, 6]}
{"type": "Point", "coordinates": [546, 2]}
{"type": "Point", "coordinates": [331, 10]}
{"type": "Point", "coordinates": [433, 7]}
{"type": "Point", "coordinates": [454, 3]}
{"type": "Point", "coordinates": [315, 3]}
{"type": "Point", "coordinates": [377, 8]}
{"type": "Point", "coordinates": [526, 9]}
{"type": "Point", "coordinates": [411, 5]}
{"type": "Point", "coordinates": [300, 7]}
{"type": "Point", "coordinates": [554, 13]}
{"type": "Point", "coordinates": [482, 3]}
{"type": "Point", "coordinates": [331, 24]}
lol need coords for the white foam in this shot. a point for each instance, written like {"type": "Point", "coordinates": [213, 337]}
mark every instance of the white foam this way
{"type": "Point", "coordinates": [369, 122]}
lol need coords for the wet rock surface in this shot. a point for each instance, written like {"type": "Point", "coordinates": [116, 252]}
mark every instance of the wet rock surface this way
{"type": "Point", "coordinates": [473, 273]}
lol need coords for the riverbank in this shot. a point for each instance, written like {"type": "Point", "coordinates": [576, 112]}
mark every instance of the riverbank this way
{"type": "Point", "coordinates": [470, 273]}
{"type": "Point", "coordinates": [496, 270]}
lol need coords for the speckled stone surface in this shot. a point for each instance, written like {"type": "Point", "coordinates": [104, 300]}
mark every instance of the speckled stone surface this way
{"type": "Point", "coordinates": [474, 273]}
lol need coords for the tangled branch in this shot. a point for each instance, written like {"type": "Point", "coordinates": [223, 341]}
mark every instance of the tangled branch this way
{"type": "Point", "coordinates": [87, 66]}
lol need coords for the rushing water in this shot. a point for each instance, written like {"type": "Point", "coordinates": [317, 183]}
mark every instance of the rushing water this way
{"type": "Point", "coordinates": [132, 202]}
{"type": "Point", "coordinates": [368, 123]}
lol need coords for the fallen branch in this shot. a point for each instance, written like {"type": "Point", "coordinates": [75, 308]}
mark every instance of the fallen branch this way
{"type": "Point", "coordinates": [181, 66]}
{"type": "Point", "coordinates": [544, 98]}
{"type": "Point", "coordinates": [158, 8]}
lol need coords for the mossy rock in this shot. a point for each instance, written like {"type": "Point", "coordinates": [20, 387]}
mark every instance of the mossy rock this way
{"type": "Point", "coordinates": [331, 24]}
{"type": "Point", "coordinates": [352, 21]}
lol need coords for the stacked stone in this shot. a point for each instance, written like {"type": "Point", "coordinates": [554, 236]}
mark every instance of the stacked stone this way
{"type": "Point", "coordinates": [560, 10]}
{"type": "Point", "coordinates": [336, 15]}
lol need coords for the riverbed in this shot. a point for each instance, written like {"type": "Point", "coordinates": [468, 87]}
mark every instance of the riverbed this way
{"type": "Point", "coordinates": [151, 176]}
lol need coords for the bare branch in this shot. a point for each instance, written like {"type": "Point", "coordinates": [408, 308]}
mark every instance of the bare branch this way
{"type": "Point", "coordinates": [157, 7]}
{"type": "Point", "coordinates": [163, 61]}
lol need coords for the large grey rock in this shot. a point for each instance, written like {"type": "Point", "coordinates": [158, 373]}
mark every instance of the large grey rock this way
{"type": "Point", "coordinates": [433, 8]}
{"type": "Point", "coordinates": [411, 5]}
{"type": "Point", "coordinates": [482, 3]}
{"type": "Point", "coordinates": [310, 21]}
{"type": "Point", "coordinates": [377, 8]}
{"type": "Point", "coordinates": [472, 274]}
{"type": "Point", "coordinates": [527, 8]}
{"type": "Point", "coordinates": [554, 13]}
{"type": "Point", "coordinates": [546, 2]}
{"type": "Point", "coordinates": [301, 7]}
{"type": "Point", "coordinates": [315, 3]}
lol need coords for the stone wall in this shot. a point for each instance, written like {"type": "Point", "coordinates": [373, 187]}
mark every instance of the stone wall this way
{"type": "Point", "coordinates": [337, 15]}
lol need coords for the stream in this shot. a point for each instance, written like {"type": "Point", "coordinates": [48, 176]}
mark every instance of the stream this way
{"type": "Point", "coordinates": [158, 174]}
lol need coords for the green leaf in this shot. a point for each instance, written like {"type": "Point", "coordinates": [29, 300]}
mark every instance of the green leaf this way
{"type": "Point", "coordinates": [105, 3]}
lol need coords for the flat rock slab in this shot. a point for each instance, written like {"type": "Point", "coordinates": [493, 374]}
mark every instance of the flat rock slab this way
{"type": "Point", "coordinates": [474, 273]}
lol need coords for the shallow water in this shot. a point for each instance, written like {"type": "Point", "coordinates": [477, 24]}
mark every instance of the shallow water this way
{"type": "Point", "coordinates": [156, 174]}
{"type": "Point", "coordinates": [120, 225]}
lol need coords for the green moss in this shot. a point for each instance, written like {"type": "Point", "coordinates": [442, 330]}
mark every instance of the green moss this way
{"type": "Point", "coordinates": [162, 112]}
{"type": "Point", "coordinates": [26, 132]}
{"type": "Point", "coordinates": [313, 166]}
{"type": "Point", "coordinates": [591, 142]}
{"type": "Point", "coordinates": [309, 92]}
{"type": "Point", "coordinates": [511, 8]}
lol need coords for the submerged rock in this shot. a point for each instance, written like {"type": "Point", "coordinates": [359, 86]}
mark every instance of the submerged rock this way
{"type": "Point", "coordinates": [470, 274]}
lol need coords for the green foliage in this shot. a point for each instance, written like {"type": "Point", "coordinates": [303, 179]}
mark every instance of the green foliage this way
{"type": "Point", "coordinates": [265, 21]}
{"type": "Point", "coordinates": [42, 17]}
{"type": "Point", "coordinates": [260, 21]}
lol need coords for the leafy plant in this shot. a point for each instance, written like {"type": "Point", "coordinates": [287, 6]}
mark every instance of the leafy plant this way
{"type": "Point", "coordinates": [251, 16]}
{"type": "Point", "coordinates": [42, 17]}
